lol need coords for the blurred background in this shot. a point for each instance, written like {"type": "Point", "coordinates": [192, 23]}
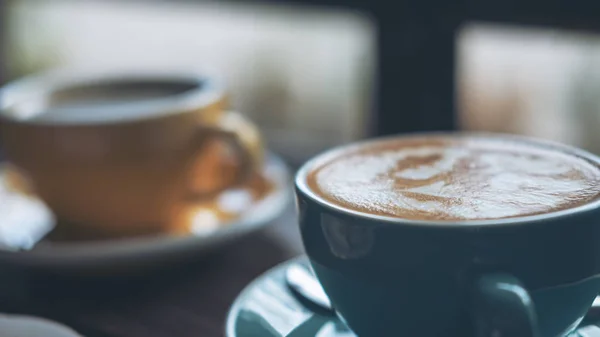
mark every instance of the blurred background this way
{"type": "Point", "coordinates": [302, 73]}
{"type": "Point", "coordinates": [314, 76]}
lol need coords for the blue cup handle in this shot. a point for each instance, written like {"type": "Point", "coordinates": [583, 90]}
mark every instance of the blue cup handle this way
{"type": "Point", "coordinates": [501, 307]}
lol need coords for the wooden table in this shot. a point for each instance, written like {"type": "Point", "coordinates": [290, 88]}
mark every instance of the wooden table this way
{"type": "Point", "coordinates": [190, 299]}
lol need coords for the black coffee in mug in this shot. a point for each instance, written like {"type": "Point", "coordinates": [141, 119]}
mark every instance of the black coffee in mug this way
{"type": "Point", "coordinates": [454, 235]}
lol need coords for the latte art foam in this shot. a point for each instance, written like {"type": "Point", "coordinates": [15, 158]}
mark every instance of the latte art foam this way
{"type": "Point", "coordinates": [446, 178]}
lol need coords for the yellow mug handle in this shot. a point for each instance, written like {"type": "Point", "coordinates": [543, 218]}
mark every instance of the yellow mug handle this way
{"type": "Point", "coordinates": [242, 139]}
{"type": "Point", "coordinates": [248, 134]}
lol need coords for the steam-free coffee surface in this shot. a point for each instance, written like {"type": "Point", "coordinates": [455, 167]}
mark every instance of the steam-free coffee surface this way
{"type": "Point", "coordinates": [456, 178]}
{"type": "Point", "coordinates": [108, 101]}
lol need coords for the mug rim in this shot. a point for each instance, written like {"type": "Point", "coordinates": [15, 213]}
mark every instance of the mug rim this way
{"type": "Point", "coordinates": [302, 185]}
{"type": "Point", "coordinates": [203, 91]}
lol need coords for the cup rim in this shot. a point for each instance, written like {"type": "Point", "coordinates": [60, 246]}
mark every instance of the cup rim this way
{"type": "Point", "coordinates": [302, 185]}
{"type": "Point", "coordinates": [203, 91]}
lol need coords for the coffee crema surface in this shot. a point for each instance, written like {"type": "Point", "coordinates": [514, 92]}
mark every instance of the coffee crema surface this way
{"type": "Point", "coordinates": [456, 178]}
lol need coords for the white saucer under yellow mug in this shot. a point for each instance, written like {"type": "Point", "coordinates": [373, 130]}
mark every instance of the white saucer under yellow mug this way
{"type": "Point", "coordinates": [26, 222]}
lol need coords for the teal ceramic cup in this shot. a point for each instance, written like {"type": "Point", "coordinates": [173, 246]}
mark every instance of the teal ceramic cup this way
{"type": "Point", "coordinates": [533, 276]}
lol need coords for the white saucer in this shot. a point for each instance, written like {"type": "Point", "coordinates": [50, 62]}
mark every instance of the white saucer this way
{"type": "Point", "coordinates": [26, 326]}
{"type": "Point", "coordinates": [24, 245]}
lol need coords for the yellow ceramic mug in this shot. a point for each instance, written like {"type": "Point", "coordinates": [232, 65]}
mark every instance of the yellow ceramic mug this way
{"type": "Point", "coordinates": [115, 154]}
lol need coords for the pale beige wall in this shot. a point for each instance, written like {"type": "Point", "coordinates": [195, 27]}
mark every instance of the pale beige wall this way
{"type": "Point", "coordinates": [537, 82]}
